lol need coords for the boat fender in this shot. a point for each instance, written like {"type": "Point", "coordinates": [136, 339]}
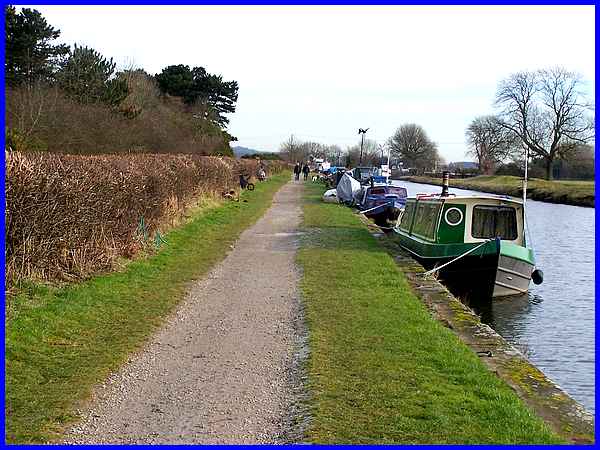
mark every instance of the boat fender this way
{"type": "Point", "coordinates": [537, 276]}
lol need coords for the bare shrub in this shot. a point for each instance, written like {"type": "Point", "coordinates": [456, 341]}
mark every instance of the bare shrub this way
{"type": "Point", "coordinates": [49, 120]}
{"type": "Point", "coordinates": [69, 216]}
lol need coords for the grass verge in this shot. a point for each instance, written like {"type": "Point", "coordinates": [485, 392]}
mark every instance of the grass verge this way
{"type": "Point", "coordinates": [381, 369]}
{"type": "Point", "coordinates": [579, 193]}
{"type": "Point", "coordinates": [60, 342]}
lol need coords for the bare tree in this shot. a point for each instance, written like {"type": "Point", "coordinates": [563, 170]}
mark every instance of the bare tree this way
{"type": "Point", "coordinates": [333, 154]}
{"type": "Point", "coordinates": [292, 151]}
{"type": "Point", "coordinates": [370, 154]}
{"type": "Point", "coordinates": [547, 111]}
{"type": "Point", "coordinates": [411, 144]}
{"type": "Point", "coordinates": [489, 142]}
{"type": "Point", "coordinates": [313, 149]}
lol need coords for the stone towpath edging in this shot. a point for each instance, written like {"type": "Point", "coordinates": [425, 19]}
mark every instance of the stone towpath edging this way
{"type": "Point", "coordinates": [562, 413]}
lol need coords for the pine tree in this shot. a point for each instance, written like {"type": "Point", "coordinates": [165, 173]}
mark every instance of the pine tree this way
{"type": "Point", "coordinates": [87, 76]}
{"type": "Point", "coordinates": [30, 55]}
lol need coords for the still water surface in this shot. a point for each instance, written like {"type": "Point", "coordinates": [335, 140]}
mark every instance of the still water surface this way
{"type": "Point", "coordinates": [554, 324]}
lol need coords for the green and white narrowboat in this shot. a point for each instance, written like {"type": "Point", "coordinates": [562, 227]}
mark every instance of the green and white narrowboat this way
{"type": "Point", "coordinates": [476, 243]}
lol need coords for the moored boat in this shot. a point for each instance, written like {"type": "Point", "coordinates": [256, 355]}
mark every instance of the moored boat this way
{"type": "Point", "coordinates": [475, 242]}
{"type": "Point", "coordinates": [383, 202]}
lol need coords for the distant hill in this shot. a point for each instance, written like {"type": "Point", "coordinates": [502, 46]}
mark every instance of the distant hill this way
{"type": "Point", "coordinates": [241, 151]}
{"type": "Point", "coordinates": [245, 152]}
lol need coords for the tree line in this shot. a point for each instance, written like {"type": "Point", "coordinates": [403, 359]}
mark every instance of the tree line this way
{"type": "Point", "coordinates": [544, 112]}
{"type": "Point", "coordinates": [409, 145]}
{"type": "Point", "coordinates": [75, 100]}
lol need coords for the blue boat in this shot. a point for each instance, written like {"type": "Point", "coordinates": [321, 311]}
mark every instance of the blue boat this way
{"type": "Point", "coordinates": [382, 202]}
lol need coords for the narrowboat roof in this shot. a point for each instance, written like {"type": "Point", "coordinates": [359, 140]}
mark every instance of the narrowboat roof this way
{"type": "Point", "coordinates": [466, 197]}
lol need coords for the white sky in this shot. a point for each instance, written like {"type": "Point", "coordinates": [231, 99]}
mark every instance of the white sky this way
{"type": "Point", "coordinates": [321, 72]}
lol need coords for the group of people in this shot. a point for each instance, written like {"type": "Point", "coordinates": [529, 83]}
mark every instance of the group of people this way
{"type": "Point", "coordinates": [301, 168]}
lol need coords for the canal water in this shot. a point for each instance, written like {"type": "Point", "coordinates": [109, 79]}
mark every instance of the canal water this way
{"type": "Point", "coordinates": [553, 325]}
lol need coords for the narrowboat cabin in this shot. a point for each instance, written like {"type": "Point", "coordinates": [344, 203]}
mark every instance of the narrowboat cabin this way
{"type": "Point", "coordinates": [477, 242]}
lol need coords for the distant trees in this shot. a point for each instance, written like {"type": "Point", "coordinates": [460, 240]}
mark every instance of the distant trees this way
{"type": "Point", "coordinates": [30, 54]}
{"type": "Point", "coordinates": [334, 154]}
{"type": "Point", "coordinates": [295, 150]}
{"type": "Point", "coordinates": [291, 150]}
{"type": "Point", "coordinates": [411, 144]}
{"type": "Point", "coordinates": [580, 164]}
{"type": "Point", "coordinates": [197, 85]}
{"type": "Point", "coordinates": [370, 157]}
{"type": "Point", "coordinates": [75, 101]}
{"type": "Point", "coordinates": [489, 142]}
{"type": "Point", "coordinates": [89, 77]}
{"type": "Point", "coordinates": [314, 149]}
{"type": "Point", "coordinates": [547, 111]}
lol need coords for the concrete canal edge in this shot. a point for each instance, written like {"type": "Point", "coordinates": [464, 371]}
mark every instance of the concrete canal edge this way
{"type": "Point", "coordinates": [544, 397]}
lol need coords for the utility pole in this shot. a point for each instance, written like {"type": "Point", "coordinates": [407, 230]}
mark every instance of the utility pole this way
{"type": "Point", "coordinates": [362, 142]}
{"type": "Point", "coordinates": [381, 148]}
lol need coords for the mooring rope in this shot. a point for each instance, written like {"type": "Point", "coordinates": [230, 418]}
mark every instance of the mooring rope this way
{"type": "Point", "coordinates": [381, 227]}
{"type": "Point", "coordinates": [371, 209]}
{"type": "Point", "coordinates": [435, 269]}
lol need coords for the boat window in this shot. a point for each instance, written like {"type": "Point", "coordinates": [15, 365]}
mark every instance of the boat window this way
{"type": "Point", "coordinates": [377, 191]}
{"type": "Point", "coordinates": [453, 216]}
{"type": "Point", "coordinates": [426, 218]}
{"type": "Point", "coordinates": [494, 221]}
{"type": "Point", "coordinates": [407, 216]}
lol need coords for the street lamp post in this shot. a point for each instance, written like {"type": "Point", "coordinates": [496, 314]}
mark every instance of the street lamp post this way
{"type": "Point", "coordinates": [362, 142]}
{"type": "Point", "coordinates": [382, 149]}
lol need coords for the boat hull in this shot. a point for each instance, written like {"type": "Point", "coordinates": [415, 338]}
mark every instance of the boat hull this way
{"type": "Point", "coordinates": [496, 269]}
{"type": "Point", "coordinates": [384, 214]}
{"type": "Point", "coordinates": [512, 275]}
{"type": "Point", "coordinates": [470, 278]}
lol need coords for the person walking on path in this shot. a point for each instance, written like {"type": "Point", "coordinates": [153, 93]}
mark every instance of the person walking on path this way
{"type": "Point", "coordinates": [297, 171]}
{"type": "Point", "coordinates": [305, 171]}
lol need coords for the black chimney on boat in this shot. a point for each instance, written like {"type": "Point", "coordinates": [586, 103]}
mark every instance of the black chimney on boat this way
{"type": "Point", "coordinates": [445, 183]}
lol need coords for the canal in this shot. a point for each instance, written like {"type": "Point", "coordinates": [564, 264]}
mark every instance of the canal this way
{"type": "Point", "coordinates": [553, 325]}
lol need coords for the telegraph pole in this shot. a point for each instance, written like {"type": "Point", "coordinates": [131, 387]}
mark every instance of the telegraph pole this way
{"type": "Point", "coordinates": [362, 142]}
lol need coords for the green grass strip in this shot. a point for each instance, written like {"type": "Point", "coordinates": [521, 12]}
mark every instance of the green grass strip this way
{"type": "Point", "coordinates": [381, 369]}
{"type": "Point", "coordinates": [60, 342]}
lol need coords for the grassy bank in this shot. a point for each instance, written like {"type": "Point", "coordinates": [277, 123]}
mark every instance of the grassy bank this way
{"type": "Point", "coordinates": [580, 193]}
{"type": "Point", "coordinates": [381, 369]}
{"type": "Point", "coordinates": [60, 342]}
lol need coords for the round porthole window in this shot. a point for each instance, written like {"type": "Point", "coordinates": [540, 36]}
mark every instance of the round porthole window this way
{"type": "Point", "coordinates": [453, 216]}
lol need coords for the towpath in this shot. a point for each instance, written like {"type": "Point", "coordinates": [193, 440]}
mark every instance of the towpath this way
{"type": "Point", "coordinates": [225, 367]}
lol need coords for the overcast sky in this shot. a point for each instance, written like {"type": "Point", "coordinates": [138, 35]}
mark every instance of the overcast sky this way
{"type": "Point", "coordinates": [322, 72]}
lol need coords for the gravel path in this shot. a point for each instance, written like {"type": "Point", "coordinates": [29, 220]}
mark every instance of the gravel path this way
{"type": "Point", "coordinates": [226, 366]}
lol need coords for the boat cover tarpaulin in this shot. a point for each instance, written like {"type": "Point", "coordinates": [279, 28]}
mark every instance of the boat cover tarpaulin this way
{"type": "Point", "coordinates": [348, 189]}
{"type": "Point", "coordinates": [330, 196]}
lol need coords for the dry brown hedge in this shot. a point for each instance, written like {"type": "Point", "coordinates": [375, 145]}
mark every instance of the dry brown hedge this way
{"type": "Point", "coordinates": [68, 216]}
